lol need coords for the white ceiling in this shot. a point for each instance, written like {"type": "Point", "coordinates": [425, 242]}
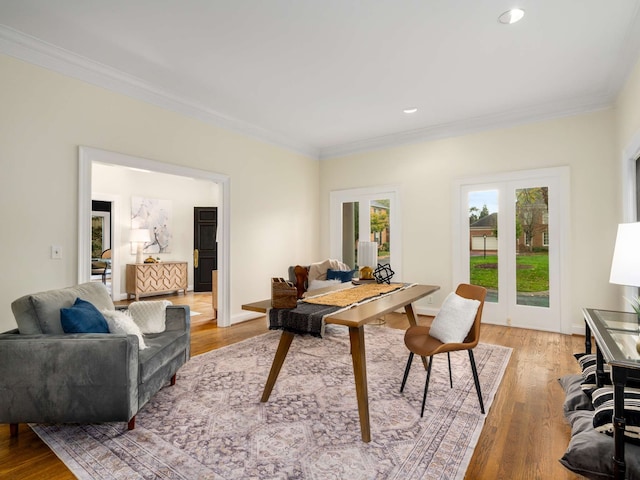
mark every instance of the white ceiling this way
{"type": "Point", "coordinates": [329, 77]}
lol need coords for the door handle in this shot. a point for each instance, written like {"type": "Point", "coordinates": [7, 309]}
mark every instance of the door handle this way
{"type": "Point", "coordinates": [196, 258]}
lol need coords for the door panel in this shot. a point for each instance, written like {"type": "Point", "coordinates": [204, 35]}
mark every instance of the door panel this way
{"type": "Point", "coordinates": [513, 246]}
{"type": "Point", "coordinates": [205, 247]}
{"type": "Point", "coordinates": [370, 214]}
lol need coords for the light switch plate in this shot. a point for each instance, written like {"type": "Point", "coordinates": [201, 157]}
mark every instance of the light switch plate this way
{"type": "Point", "coordinates": [56, 252]}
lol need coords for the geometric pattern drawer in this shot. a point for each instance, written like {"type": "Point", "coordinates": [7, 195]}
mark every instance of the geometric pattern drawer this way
{"type": "Point", "coordinates": [154, 278]}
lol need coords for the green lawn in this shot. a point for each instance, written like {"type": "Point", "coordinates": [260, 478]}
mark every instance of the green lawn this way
{"type": "Point", "coordinates": [532, 274]}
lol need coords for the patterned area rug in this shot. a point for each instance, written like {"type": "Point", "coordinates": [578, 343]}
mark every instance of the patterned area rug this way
{"type": "Point", "coordinates": [211, 424]}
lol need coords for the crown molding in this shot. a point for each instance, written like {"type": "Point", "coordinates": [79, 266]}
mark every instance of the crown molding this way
{"type": "Point", "coordinates": [538, 113]}
{"type": "Point", "coordinates": [30, 49]}
{"type": "Point", "coordinates": [33, 50]}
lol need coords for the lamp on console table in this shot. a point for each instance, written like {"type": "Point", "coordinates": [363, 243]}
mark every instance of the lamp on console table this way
{"type": "Point", "coordinates": [625, 266]}
{"type": "Point", "coordinates": [140, 236]}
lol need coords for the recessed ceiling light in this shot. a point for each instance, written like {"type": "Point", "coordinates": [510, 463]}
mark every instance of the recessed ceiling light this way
{"type": "Point", "coordinates": [511, 16]}
{"type": "Point", "coordinates": [410, 110]}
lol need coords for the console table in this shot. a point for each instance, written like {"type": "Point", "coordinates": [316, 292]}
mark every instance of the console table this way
{"type": "Point", "coordinates": [155, 278]}
{"type": "Point", "coordinates": [615, 334]}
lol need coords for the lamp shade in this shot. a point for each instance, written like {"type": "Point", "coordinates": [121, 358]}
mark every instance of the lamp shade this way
{"type": "Point", "coordinates": [140, 235]}
{"type": "Point", "coordinates": [367, 254]}
{"type": "Point", "coordinates": [625, 266]}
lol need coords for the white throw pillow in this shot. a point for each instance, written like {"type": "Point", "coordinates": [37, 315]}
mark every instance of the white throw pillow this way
{"type": "Point", "coordinates": [316, 284]}
{"type": "Point", "coordinates": [455, 318]}
{"type": "Point", "coordinates": [150, 315]}
{"type": "Point", "coordinates": [121, 322]}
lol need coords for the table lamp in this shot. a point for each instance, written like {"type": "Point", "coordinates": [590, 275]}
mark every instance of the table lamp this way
{"type": "Point", "coordinates": [140, 236]}
{"type": "Point", "coordinates": [367, 259]}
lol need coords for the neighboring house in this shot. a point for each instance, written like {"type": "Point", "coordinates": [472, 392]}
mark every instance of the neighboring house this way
{"type": "Point", "coordinates": [381, 212]}
{"type": "Point", "coordinates": [483, 235]}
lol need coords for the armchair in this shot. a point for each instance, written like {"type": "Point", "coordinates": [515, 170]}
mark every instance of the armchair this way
{"type": "Point", "coordinates": [49, 376]}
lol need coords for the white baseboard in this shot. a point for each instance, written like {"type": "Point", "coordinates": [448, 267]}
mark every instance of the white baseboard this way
{"type": "Point", "coordinates": [245, 316]}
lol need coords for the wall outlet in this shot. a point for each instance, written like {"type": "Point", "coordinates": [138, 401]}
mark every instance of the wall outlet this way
{"type": "Point", "coordinates": [509, 321]}
{"type": "Point", "coordinates": [56, 252]}
{"type": "Point", "coordinates": [429, 299]}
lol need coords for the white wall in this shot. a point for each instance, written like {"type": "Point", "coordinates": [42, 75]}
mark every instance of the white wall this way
{"type": "Point", "coordinates": [45, 116]}
{"type": "Point", "coordinates": [425, 172]}
{"type": "Point", "coordinates": [183, 193]}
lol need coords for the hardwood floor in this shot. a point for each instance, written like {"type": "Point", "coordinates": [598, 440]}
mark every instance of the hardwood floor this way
{"type": "Point", "coordinates": [524, 435]}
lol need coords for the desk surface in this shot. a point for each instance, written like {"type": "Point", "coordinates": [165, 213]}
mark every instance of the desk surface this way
{"type": "Point", "coordinates": [361, 314]}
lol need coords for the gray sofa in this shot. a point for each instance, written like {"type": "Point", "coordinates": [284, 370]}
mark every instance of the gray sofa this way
{"type": "Point", "coordinates": [48, 376]}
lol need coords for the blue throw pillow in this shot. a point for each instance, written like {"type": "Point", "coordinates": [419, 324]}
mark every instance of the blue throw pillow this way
{"type": "Point", "coordinates": [343, 276]}
{"type": "Point", "coordinates": [83, 317]}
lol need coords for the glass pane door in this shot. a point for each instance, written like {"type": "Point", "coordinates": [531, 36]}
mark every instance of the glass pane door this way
{"type": "Point", "coordinates": [368, 215]}
{"type": "Point", "coordinates": [483, 241]}
{"type": "Point", "coordinates": [510, 243]}
{"type": "Point", "coordinates": [532, 246]}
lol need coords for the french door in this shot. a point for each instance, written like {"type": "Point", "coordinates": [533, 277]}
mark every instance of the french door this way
{"type": "Point", "coordinates": [512, 236]}
{"type": "Point", "coordinates": [368, 214]}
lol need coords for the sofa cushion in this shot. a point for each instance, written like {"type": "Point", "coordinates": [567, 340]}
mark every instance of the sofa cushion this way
{"type": "Point", "coordinates": [82, 317]}
{"type": "Point", "coordinates": [120, 321]}
{"type": "Point", "coordinates": [149, 315]}
{"type": "Point", "coordinates": [591, 454]}
{"type": "Point", "coordinates": [575, 397]}
{"type": "Point", "coordinates": [40, 312]}
{"type": "Point", "coordinates": [603, 416]}
{"type": "Point", "coordinates": [162, 348]}
{"type": "Point", "coordinates": [342, 275]}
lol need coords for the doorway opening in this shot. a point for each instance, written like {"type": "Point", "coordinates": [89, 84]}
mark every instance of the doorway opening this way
{"type": "Point", "coordinates": [88, 156]}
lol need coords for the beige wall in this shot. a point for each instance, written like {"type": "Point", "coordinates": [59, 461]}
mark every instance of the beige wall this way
{"type": "Point", "coordinates": [277, 196]}
{"type": "Point", "coordinates": [425, 172]}
{"type": "Point", "coordinates": [628, 110]}
{"type": "Point", "coordinates": [46, 116]}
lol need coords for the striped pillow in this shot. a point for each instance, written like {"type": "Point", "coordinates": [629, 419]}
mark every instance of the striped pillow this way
{"type": "Point", "coordinates": [603, 416]}
{"type": "Point", "coordinates": [588, 366]}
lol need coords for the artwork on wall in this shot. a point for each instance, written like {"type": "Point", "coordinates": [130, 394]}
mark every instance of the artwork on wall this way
{"type": "Point", "coordinates": [155, 215]}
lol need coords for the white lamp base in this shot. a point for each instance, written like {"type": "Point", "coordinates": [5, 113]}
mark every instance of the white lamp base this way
{"type": "Point", "coordinates": [139, 253]}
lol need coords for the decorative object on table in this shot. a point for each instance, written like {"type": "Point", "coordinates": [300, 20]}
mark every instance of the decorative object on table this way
{"type": "Point", "coordinates": [283, 294]}
{"type": "Point", "coordinates": [150, 260]}
{"type": "Point", "coordinates": [367, 258]}
{"type": "Point", "coordinates": [139, 237]}
{"type": "Point", "coordinates": [625, 266]}
{"type": "Point", "coordinates": [366, 273]}
{"type": "Point", "coordinates": [383, 273]}
{"type": "Point", "coordinates": [154, 215]}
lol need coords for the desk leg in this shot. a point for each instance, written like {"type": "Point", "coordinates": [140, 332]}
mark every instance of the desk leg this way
{"type": "Point", "coordinates": [412, 321]}
{"type": "Point", "coordinates": [278, 360]}
{"type": "Point", "coordinates": [356, 335]}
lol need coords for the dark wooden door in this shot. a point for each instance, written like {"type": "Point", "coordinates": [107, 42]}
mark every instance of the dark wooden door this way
{"type": "Point", "coordinates": [205, 247]}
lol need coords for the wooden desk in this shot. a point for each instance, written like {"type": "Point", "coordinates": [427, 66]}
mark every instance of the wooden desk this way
{"type": "Point", "coordinates": [354, 318]}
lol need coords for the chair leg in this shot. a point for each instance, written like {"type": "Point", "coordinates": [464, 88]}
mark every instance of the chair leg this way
{"type": "Point", "coordinates": [173, 380]}
{"type": "Point", "coordinates": [450, 377]}
{"type": "Point", "coordinates": [13, 429]}
{"type": "Point", "coordinates": [406, 371]}
{"type": "Point", "coordinates": [426, 386]}
{"type": "Point", "coordinates": [476, 379]}
{"type": "Point", "coordinates": [131, 424]}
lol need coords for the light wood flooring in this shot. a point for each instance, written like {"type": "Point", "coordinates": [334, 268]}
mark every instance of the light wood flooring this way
{"type": "Point", "coordinates": [524, 435]}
